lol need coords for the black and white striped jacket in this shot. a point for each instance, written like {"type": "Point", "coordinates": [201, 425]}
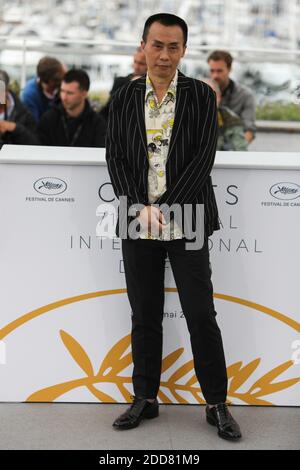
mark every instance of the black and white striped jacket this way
{"type": "Point", "coordinates": [191, 151]}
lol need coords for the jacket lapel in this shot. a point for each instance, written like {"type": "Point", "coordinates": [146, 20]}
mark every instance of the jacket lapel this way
{"type": "Point", "coordinates": [140, 111]}
{"type": "Point", "coordinates": [181, 108]}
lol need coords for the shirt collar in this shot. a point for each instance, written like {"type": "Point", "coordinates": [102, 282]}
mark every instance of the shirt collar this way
{"type": "Point", "coordinates": [172, 87]}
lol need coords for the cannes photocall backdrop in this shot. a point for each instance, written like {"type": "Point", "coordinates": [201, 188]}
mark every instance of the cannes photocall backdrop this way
{"type": "Point", "coordinates": [65, 316]}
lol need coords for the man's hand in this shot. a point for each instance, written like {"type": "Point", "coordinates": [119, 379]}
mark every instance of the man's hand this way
{"type": "Point", "coordinates": [7, 126]}
{"type": "Point", "coordinates": [249, 136]}
{"type": "Point", "coordinates": [152, 220]}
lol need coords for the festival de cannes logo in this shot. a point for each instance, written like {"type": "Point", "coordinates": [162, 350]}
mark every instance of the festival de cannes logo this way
{"type": "Point", "coordinates": [178, 377]}
{"type": "Point", "coordinates": [50, 186]}
{"type": "Point", "coordinates": [285, 191]}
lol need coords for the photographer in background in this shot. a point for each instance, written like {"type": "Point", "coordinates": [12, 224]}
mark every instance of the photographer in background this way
{"type": "Point", "coordinates": [17, 126]}
{"type": "Point", "coordinates": [72, 122]}
{"type": "Point", "coordinates": [231, 134]}
{"type": "Point", "coordinates": [235, 96]}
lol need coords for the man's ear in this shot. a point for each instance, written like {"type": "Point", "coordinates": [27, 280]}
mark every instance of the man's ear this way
{"type": "Point", "coordinates": [143, 44]}
{"type": "Point", "coordinates": [184, 49]}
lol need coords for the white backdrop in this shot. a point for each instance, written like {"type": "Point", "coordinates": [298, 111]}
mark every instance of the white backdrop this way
{"type": "Point", "coordinates": [65, 317]}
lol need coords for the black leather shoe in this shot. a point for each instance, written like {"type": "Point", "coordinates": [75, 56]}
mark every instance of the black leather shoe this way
{"type": "Point", "coordinates": [140, 409]}
{"type": "Point", "coordinates": [219, 416]}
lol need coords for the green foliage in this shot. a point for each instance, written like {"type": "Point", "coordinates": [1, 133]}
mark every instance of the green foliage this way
{"type": "Point", "coordinates": [278, 112]}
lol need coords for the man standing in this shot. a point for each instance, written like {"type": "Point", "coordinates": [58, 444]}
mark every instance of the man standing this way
{"type": "Point", "coordinates": [73, 123]}
{"type": "Point", "coordinates": [236, 97]}
{"type": "Point", "coordinates": [160, 149]}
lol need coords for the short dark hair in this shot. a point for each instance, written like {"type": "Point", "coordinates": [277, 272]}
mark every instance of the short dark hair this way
{"type": "Point", "coordinates": [166, 19]}
{"type": "Point", "coordinates": [49, 69]}
{"type": "Point", "coordinates": [80, 76]}
{"type": "Point", "coordinates": [221, 55]}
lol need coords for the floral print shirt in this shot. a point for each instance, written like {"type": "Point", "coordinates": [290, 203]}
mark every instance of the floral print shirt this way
{"type": "Point", "coordinates": [159, 120]}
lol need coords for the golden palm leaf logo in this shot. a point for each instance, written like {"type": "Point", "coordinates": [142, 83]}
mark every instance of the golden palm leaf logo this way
{"type": "Point", "coordinates": [119, 357]}
{"type": "Point", "coordinates": [116, 361]}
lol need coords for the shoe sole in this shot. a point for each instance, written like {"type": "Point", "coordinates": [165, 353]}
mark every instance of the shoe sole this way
{"type": "Point", "coordinates": [223, 436]}
{"type": "Point", "coordinates": [132, 426]}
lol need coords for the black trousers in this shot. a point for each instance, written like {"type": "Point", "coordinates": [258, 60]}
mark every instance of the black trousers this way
{"type": "Point", "coordinates": [144, 264]}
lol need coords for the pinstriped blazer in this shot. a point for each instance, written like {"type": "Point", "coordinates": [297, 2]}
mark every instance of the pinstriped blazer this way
{"type": "Point", "coordinates": [191, 151]}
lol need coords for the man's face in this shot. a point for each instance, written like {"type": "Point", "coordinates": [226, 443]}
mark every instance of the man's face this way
{"type": "Point", "coordinates": [139, 63]}
{"type": "Point", "coordinates": [71, 95]}
{"type": "Point", "coordinates": [163, 50]}
{"type": "Point", "coordinates": [219, 72]}
{"type": "Point", "coordinates": [217, 92]}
